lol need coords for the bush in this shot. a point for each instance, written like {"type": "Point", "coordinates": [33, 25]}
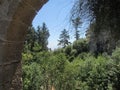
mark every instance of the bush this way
{"type": "Point", "coordinates": [93, 72]}
{"type": "Point", "coordinates": [58, 51]}
{"type": "Point", "coordinates": [116, 55]}
{"type": "Point", "coordinates": [81, 45]}
{"type": "Point", "coordinates": [68, 50]}
{"type": "Point", "coordinates": [115, 70]}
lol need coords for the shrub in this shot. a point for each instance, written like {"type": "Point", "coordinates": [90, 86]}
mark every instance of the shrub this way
{"type": "Point", "coordinates": [68, 50]}
{"type": "Point", "coordinates": [81, 45]}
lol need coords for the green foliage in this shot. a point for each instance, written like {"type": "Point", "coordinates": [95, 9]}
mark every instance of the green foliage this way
{"type": "Point", "coordinates": [30, 38]}
{"type": "Point", "coordinates": [58, 51]}
{"type": "Point", "coordinates": [116, 55]}
{"type": "Point", "coordinates": [104, 18]}
{"type": "Point", "coordinates": [64, 38]}
{"type": "Point", "coordinates": [93, 73]}
{"type": "Point", "coordinates": [76, 24]}
{"type": "Point", "coordinates": [42, 36]}
{"type": "Point", "coordinates": [42, 70]}
{"type": "Point", "coordinates": [69, 68]}
{"type": "Point", "coordinates": [68, 50]}
{"type": "Point", "coordinates": [80, 45]}
{"type": "Point", "coordinates": [37, 40]}
{"type": "Point", "coordinates": [75, 49]}
{"type": "Point", "coordinates": [33, 74]}
{"type": "Point", "coordinates": [115, 70]}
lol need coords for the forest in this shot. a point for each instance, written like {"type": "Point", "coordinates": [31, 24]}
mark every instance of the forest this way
{"type": "Point", "coordinates": [89, 63]}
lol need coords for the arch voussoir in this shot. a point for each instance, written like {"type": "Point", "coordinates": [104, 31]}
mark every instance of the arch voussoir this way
{"type": "Point", "coordinates": [15, 17]}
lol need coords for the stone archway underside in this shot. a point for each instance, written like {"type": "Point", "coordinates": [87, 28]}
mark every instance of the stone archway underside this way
{"type": "Point", "coordinates": [15, 17]}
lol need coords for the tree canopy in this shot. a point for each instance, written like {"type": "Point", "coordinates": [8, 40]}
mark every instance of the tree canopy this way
{"type": "Point", "coordinates": [64, 38]}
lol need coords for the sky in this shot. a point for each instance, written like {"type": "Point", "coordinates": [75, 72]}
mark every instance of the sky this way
{"type": "Point", "coordinates": [55, 13]}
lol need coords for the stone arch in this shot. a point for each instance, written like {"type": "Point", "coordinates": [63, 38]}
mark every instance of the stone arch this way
{"type": "Point", "coordinates": [15, 17]}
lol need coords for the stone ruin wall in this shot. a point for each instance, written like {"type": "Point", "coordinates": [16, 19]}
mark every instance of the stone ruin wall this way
{"type": "Point", "coordinates": [15, 17]}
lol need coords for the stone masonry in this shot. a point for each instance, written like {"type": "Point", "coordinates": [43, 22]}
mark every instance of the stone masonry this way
{"type": "Point", "coordinates": [15, 18]}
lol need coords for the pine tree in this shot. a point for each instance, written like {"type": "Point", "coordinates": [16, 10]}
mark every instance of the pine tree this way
{"type": "Point", "coordinates": [64, 38]}
{"type": "Point", "coordinates": [31, 38]}
{"type": "Point", "coordinates": [42, 36]}
{"type": "Point", "coordinates": [76, 24]}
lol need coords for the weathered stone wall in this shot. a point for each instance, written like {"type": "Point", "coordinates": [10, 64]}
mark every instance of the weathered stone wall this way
{"type": "Point", "coordinates": [15, 17]}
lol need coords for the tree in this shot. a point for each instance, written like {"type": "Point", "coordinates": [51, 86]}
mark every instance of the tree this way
{"type": "Point", "coordinates": [80, 46]}
{"type": "Point", "coordinates": [30, 38]}
{"type": "Point", "coordinates": [76, 23]}
{"type": "Point", "coordinates": [64, 38]}
{"type": "Point", "coordinates": [42, 36]}
{"type": "Point", "coordinates": [37, 40]}
{"type": "Point", "coordinates": [106, 16]}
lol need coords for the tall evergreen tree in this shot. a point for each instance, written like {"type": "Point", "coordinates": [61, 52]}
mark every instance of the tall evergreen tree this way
{"type": "Point", "coordinates": [64, 38]}
{"type": "Point", "coordinates": [76, 24]}
{"type": "Point", "coordinates": [31, 38]}
{"type": "Point", "coordinates": [37, 37]}
{"type": "Point", "coordinates": [42, 36]}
